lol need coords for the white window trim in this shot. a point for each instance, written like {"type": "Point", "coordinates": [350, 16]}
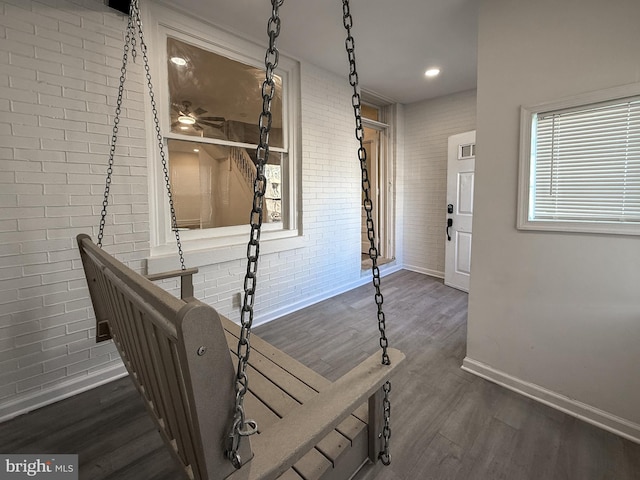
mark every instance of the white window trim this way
{"type": "Point", "coordinates": [524, 177]}
{"type": "Point", "coordinates": [206, 247]}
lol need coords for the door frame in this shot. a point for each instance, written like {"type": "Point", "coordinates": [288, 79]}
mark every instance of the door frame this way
{"type": "Point", "coordinates": [380, 168]}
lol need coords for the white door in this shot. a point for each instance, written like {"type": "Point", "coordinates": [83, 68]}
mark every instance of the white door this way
{"type": "Point", "coordinates": [460, 171]}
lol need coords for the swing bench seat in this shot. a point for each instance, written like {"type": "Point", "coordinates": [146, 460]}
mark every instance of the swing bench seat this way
{"type": "Point", "coordinates": [180, 354]}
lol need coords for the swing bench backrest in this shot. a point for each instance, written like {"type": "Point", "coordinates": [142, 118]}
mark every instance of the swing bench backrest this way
{"type": "Point", "coordinates": [177, 355]}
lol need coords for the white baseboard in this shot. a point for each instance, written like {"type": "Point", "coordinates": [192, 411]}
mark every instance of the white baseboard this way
{"type": "Point", "coordinates": [60, 391]}
{"type": "Point", "coordinates": [365, 278]}
{"type": "Point", "coordinates": [425, 271]}
{"type": "Point", "coordinates": [592, 415]}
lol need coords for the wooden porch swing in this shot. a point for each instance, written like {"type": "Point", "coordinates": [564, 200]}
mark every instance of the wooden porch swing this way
{"type": "Point", "coordinates": [191, 365]}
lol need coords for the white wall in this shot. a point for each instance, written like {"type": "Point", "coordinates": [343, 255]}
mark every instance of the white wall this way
{"type": "Point", "coordinates": [60, 68]}
{"type": "Point", "coordinates": [428, 126]}
{"type": "Point", "coordinates": [556, 316]}
{"type": "Point", "coordinates": [185, 174]}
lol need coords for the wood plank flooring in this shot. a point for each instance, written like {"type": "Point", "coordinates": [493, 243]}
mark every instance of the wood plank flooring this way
{"type": "Point", "coordinates": [446, 423]}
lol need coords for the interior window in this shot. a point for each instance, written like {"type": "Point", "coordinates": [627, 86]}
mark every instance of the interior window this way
{"type": "Point", "coordinates": [215, 103]}
{"type": "Point", "coordinates": [212, 185]}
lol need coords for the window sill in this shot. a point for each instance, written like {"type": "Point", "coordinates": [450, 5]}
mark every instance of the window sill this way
{"type": "Point", "coordinates": [204, 252]}
{"type": "Point", "coordinates": [580, 227]}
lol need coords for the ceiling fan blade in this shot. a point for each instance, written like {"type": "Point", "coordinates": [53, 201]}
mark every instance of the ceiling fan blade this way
{"type": "Point", "coordinates": [211, 124]}
{"type": "Point", "coordinates": [212, 119]}
{"type": "Point", "coordinates": [197, 127]}
{"type": "Point", "coordinates": [199, 111]}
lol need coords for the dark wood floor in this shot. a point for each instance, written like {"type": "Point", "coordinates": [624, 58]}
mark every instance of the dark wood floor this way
{"type": "Point", "coordinates": [446, 423]}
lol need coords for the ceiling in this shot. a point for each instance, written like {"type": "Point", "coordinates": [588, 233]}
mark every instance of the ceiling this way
{"type": "Point", "coordinates": [396, 41]}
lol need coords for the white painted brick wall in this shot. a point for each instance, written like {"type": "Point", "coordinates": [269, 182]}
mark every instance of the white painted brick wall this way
{"type": "Point", "coordinates": [60, 69]}
{"type": "Point", "coordinates": [57, 87]}
{"type": "Point", "coordinates": [429, 124]}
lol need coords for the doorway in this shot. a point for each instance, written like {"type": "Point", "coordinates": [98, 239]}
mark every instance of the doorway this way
{"type": "Point", "coordinates": [375, 143]}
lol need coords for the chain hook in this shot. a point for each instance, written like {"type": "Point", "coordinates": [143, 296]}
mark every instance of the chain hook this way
{"type": "Point", "coordinates": [243, 429]}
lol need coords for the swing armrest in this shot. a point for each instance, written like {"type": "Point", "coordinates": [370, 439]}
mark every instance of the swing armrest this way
{"type": "Point", "coordinates": [283, 444]}
{"type": "Point", "coordinates": [171, 274]}
{"type": "Point", "coordinates": [186, 280]}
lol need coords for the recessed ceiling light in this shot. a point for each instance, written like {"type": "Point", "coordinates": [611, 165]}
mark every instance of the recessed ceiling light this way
{"type": "Point", "coordinates": [432, 72]}
{"type": "Point", "coordinates": [196, 150]}
{"type": "Point", "coordinates": [186, 120]}
{"type": "Point", "coordinates": [181, 62]}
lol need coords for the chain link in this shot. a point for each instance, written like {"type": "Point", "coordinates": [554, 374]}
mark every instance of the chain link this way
{"type": "Point", "coordinates": [131, 45]}
{"type": "Point", "coordinates": [367, 203]}
{"type": "Point", "coordinates": [242, 427]}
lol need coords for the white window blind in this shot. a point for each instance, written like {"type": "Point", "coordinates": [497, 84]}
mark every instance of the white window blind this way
{"type": "Point", "coordinates": [585, 164]}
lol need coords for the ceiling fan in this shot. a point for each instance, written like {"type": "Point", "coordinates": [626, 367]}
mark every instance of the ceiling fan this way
{"type": "Point", "coordinates": [185, 117]}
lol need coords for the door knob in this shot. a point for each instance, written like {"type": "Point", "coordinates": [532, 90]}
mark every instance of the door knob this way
{"type": "Point", "coordinates": [449, 225]}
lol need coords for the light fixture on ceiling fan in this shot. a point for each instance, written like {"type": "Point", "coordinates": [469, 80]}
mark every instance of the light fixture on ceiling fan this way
{"type": "Point", "coordinates": [186, 120]}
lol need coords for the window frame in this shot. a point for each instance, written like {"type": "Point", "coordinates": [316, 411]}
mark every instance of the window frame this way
{"type": "Point", "coordinates": [528, 114]}
{"type": "Point", "coordinates": [214, 245]}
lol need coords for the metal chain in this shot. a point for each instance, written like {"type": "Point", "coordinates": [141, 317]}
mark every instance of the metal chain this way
{"type": "Point", "coordinates": [385, 454]}
{"type": "Point", "coordinates": [135, 9]}
{"type": "Point", "coordinates": [242, 427]}
{"type": "Point", "coordinates": [130, 44]}
{"type": "Point", "coordinates": [114, 134]}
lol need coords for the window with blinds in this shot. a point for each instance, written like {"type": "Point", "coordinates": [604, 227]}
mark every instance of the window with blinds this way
{"type": "Point", "coordinates": [583, 167]}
